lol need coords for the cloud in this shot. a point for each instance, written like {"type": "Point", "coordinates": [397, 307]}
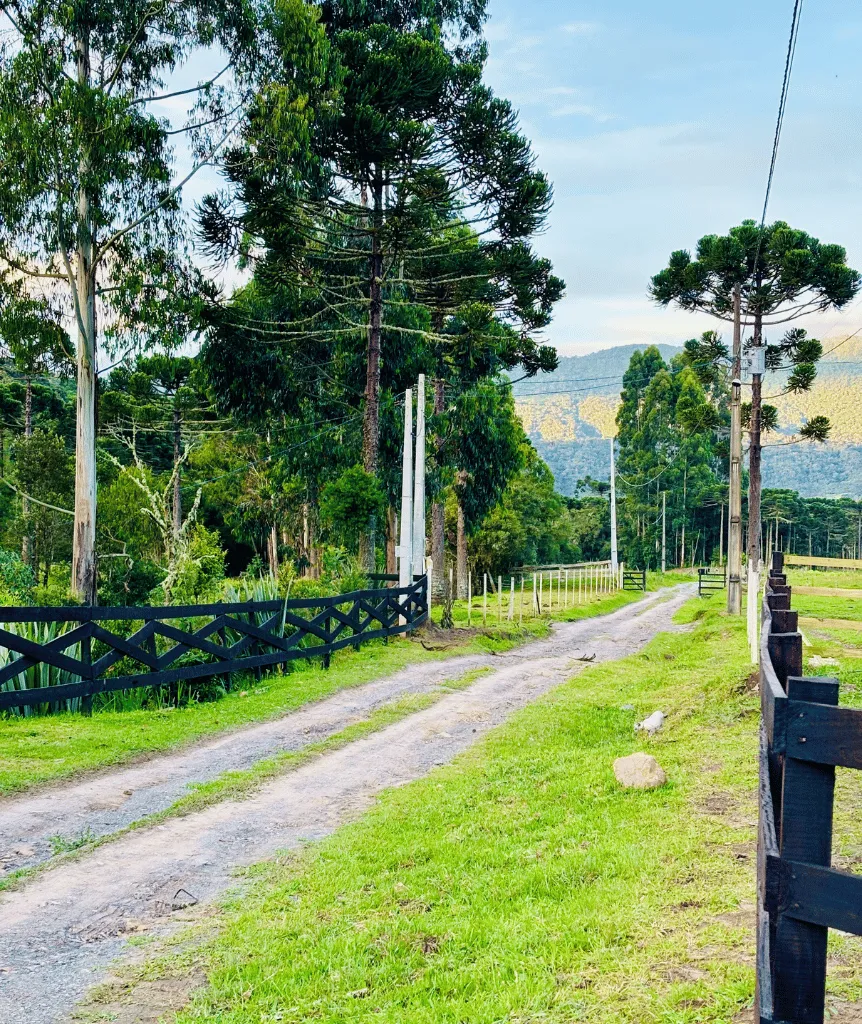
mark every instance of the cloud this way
{"type": "Point", "coordinates": [581, 28]}
{"type": "Point", "coordinates": [581, 110]}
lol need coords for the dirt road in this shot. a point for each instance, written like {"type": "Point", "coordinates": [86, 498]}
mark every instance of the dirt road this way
{"type": "Point", "coordinates": [60, 932]}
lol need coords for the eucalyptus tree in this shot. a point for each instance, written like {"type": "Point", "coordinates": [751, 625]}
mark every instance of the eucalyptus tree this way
{"type": "Point", "coordinates": [781, 274]}
{"type": "Point", "coordinates": [90, 199]}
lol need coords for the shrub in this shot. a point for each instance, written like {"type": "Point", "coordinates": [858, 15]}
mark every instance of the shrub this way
{"type": "Point", "coordinates": [200, 570]}
{"type": "Point", "coordinates": [16, 579]}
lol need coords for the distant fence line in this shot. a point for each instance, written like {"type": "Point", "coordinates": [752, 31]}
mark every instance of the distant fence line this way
{"type": "Point", "coordinates": [208, 640]}
{"type": "Point", "coordinates": [532, 593]}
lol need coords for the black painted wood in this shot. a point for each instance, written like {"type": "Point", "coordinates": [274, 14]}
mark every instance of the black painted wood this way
{"type": "Point", "coordinates": [268, 633]}
{"type": "Point", "coordinates": [820, 896]}
{"type": "Point", "coordinates": [804, 735]}
{"type": "Point", "coordinates": [799, 970]}
{"type": "Point", "coordinates": [785, 653]}
{"type": "Point", "coordinates": [824, 735]}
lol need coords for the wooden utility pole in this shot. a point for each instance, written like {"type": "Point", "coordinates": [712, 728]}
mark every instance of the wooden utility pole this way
{"type": "Point", "coordinates": [664, 531]}
{"type": "Point", "coordinates": [734, 538]}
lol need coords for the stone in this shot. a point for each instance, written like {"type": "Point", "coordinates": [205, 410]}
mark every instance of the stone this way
{"type": "Point", "coordinates": [815, 661]}
{"type": "Point", "coordinates": [639, 771]}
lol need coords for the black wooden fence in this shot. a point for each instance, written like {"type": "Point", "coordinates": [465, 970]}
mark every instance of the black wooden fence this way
{"type": "Point", "coordinates": [710, 580]}
{"type": "Point", "coordinates": [208, 640]}
{"type": "Point", "coordinates": [634, 579]}
{"type": "Point", "coordinates": [803, 737]}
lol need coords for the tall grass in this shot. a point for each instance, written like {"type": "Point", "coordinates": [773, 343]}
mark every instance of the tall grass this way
{"type": "Point", "coordinates": [40, 675]}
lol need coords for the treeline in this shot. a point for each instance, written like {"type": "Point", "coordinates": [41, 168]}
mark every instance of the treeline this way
{"type": "Point", "coordinates": [381, 203]}
{"type": "Point", "coordinates": [672, 431]}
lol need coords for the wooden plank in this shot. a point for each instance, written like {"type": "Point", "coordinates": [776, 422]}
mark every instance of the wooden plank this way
{"type": "Point", "coordinates": [125, 646]}
{"type": "Point", "coordinates": [847, 594]}
{"type": "Point", "coordinates": [822, 561]}
{"type": "Point", "coordinates": [60, 643]}
{"type": "Point", "coordinates": [784, 621]}
{"type": "Point", "coordinates": [39, 652]}
{"type": "Point", "coordinates": [111, 658]}
{"type": "Point", "coordinates": [785, 653]}
{"type": "Point", "coordinates": [824, 735]}
{"type": "Point", "coordinates": [799, 972]}
{"type": "Point", "coordinates": [226, 662]}
{"type": "Point", "coordinates": [820, 895]}
{"type": "Point", "coordinates": [192, 640]}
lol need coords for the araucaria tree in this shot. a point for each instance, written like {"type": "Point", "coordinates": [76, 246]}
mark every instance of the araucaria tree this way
{"type": "Point", "coordinates": [782, 274]}
{"type": "Point", "coordinates": [419, 166]}
{"type": "Point", "coordinates": [89, 207]}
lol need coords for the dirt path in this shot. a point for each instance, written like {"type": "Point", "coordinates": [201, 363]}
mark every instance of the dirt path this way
{"type": "Point", "coordinates": [58, 934]}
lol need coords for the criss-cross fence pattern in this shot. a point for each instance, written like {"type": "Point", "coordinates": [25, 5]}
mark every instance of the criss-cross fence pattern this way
{"type": "Point", "coordinates": [88, 651]}
{"type": "Point", "coordinates": [710, 580]}
{"type": "Point", "coordinates": [803, 737]}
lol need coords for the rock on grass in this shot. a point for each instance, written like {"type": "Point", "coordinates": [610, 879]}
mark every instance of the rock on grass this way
{"type": "Point", "coordinates": [639, 771]}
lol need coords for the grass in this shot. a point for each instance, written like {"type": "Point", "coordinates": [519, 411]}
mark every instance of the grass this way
{"type": "Point", "coordinates": [520, 883]}
{"type": "Point", "coordinates": [814, 606]}
{"type": "Point", "coordinates": [845, 579]}
{"type": "Point", "coordinates": [40, 750]}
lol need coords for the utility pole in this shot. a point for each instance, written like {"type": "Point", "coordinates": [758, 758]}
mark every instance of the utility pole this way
{"type": "Point", "coordinates": [404, 549]}
{"type": "Point", "coordinates": [664, 531]}
{"type": "Point", "coordinates": [755, 555]}
{"type": "Point", "coordinates": [614, 553]}
{"type": "Point", "coordinates": [734, 537]}
{"type": "Point", "coordinates": [419, 485]}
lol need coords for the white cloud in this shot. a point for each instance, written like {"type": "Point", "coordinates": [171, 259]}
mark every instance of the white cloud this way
{"type": "Point", "coordinates": [581, 28]}
{"type": "Point", "coordinates": [581, 110]}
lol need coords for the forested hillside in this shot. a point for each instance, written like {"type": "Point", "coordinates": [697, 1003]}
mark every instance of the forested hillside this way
{"type": "Point", "coordinates": [567, 413]}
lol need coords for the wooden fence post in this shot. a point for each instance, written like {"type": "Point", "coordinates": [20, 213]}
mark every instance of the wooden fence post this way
{"type": "Point", "coordinates": [799, 978]}
{"type": "Point", "coordinates": [87, 662]}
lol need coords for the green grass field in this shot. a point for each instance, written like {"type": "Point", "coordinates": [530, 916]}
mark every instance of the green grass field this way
{"type": "Point", "coordinates": [520, 883]}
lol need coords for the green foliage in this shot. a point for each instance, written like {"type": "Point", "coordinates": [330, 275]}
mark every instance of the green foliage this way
{"type": "Point", "coordinates": [346, 504]}
{"type": "Point", "coordinates": [530, 525]}
{"type": "Point", "coordinates": [16, 579]}
{"type": "Point", "coordinates": [200, 570]}
{"type": "Point", "coordinates": [45, 471]}
{"type": "Point", "coordinates": [667, 443]}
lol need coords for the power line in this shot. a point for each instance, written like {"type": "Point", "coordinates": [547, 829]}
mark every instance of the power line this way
{"type": "Point", "coordinates": [782, 107]}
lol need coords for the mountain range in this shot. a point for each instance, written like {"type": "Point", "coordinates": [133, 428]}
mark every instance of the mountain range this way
{"type": "Point", "coordinates": [569, 416]}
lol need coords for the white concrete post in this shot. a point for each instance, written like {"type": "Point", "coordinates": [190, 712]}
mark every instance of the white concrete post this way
{"type": "Point", "coordinates": [419, 485]}
{"type": "Point", "coordinates": [405, 546]}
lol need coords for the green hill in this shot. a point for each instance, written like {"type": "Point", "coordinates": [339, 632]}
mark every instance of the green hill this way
{"type": "Point", "coordinates": [569, 415]}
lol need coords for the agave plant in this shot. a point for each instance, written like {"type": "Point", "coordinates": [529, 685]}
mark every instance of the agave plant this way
{"type": "Point", "coordinates": [40, 675]}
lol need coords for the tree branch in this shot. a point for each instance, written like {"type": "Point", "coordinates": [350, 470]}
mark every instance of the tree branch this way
{"type": "Point", "coordinates": [103, 249]}
{"type": "Point", "coordinates": [182, 92]}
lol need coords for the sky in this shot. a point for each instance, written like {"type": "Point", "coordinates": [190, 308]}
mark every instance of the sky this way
{"type": "Point", "coordinates": [655, 124]}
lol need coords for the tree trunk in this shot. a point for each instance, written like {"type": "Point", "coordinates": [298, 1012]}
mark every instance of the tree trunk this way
{"type": "Point", "coordinates": [27, 542]}
{"type": "Point", "coordinates": [371, 416]}
{"type": "Point", "coordinates": [461, 554]}
{"type": "Point", "coordinates": [272, 551]}
{"type": "Point", "coordinates": [391, 540]}
{"type": "Point", "coordinates": [84, 570]}
{"type": "Point", "coordinates": [438, 510]}
{"type": "Point", "coordinates": [754, 456]}
{"type": "Point", "coordinates": [178, 508]}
